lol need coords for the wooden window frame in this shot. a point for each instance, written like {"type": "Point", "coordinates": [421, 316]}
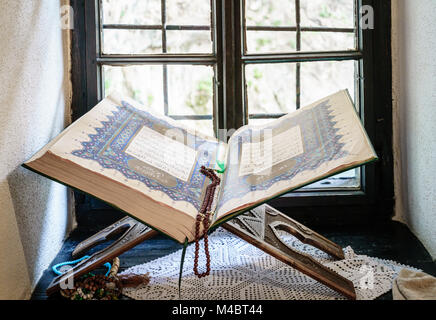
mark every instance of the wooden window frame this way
{"type": "Point", "coordinates": [375, 199]}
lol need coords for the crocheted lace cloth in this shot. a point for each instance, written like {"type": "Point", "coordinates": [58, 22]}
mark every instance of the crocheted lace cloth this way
{"type": "Point", "coordinates": [240, 271]}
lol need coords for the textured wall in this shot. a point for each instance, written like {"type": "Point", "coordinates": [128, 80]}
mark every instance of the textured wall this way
{"type": "Point", "coordinates": [414, 88]}
{"type": "Point", "coordinates": [34, 99]}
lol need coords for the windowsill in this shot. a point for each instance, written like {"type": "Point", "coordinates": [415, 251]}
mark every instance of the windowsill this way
{"type": "Point", "coordinates": [390, 240]}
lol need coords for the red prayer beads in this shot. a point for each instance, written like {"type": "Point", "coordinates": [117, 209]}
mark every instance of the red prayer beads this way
{"type": "Point", "coordinates": [203, 216]}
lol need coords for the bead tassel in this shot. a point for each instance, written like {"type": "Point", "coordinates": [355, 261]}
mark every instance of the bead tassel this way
{"type": "Point", "coordinates": [203, 216]}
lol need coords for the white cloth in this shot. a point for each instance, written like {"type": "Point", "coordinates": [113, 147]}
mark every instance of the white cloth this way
{"type": "Point", "coordinates": [412, 285]}
{"type": "Point", "coordinates": [240, 271]}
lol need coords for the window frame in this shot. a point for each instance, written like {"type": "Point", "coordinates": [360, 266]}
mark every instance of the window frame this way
{"type": "Point", "coordinates": [374, 200]}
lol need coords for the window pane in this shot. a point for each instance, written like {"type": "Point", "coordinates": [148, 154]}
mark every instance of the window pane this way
{"type": "Point", "coordinates": [347, 179]}
{"type": "Point", "coordinates": [203, 126]}
{"type": "Point", "coordinates": [132, 12]}
{"type": "Point", "coordinates": [142, 83]}
{"type": "Point", "coordinates": [271, 41]}
{"type": "Point", "coordinates": [189, 41]}
{"type": "Point", "coordinates": [188, 12]}
{"type": "Point", "coordinates": [327, 41]}
{"type": "Point", "coordinates": [327, 13]}
{"type": "Point", "coordinates": [190, 90]}
{"type": "Point", "coordinates": [320, 79]}
{"type": "Point", "coordinates": [260, 122]}
{"type": "Point", "coordinates": [270, 88]}
{"type": "Point", "coordinates": [132, 41]}
{"type": "Point", "coordinates": [270, 13]}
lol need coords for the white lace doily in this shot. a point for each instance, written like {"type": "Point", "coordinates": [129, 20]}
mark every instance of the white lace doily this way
{"type": "Point", "coordinates": [240, 271]}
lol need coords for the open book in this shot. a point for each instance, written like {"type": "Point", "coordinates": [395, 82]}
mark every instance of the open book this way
{"type": "Point", "coordinates": [149, 165]}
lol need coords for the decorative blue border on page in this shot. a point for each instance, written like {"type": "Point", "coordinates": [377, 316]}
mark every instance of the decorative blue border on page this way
{"type": "Point", "coordinates": [321, 143]}
{"type": "Point", "coordinates": [107, 147]}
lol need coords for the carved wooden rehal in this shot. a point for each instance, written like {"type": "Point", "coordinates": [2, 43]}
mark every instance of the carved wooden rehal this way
{"type": "Point", "coordinates": [260, 227]}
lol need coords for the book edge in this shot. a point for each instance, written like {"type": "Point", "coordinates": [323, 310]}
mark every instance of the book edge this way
{"type": "Point", "coordinates": [232, 215]}
{"type": "Point", "coordinates": [28, 167]}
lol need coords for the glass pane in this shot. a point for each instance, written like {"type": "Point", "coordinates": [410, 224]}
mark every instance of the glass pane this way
{"type": "Point", "coordinates": [203, 126]}
{"type": "Point", "coordinates": [327, 41]}
{"type": "Point", "coordinates": [188, 12]}
{"type": "Point", "coordinates": [260, 122]}
{"type": "Point", "coordinates": [189, 41]}
{"type": "Point", "coordinates": [270, 13]}
{"type": "Point", "coordinates": [270, 88]}
{"type": "Point", "coordinates": [321, 79]}
{"type": "Point", "coordinates": [132, 12]}
{"type": "Point", "coordinates": [347, 179]}
{"type": "Point", "coordinates": [271, 41]}
{"type": "Point", "coordinates": [327, 13]}
{"type": "Point", "coordinates": [132, 41]}
{"type": "Point", "coordinates": [190, 90]}
{"type": "Point", "coordinates": [142, 83]}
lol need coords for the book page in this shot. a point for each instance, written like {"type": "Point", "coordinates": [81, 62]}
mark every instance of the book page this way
{"type": "Point", "coordinates": [300, 148]}
{"type": "Point", "coordinates": [260, 156]}
{"type": "Point", "coordinates": [175, 158]}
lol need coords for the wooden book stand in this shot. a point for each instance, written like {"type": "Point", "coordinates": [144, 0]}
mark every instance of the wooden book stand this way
{"type": "Point", "coordinates": [259, 227]}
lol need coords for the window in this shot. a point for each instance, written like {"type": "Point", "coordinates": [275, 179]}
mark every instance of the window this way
{"type": "Point", "coordinates": [278, 85]}
{"type": "Point", "coordinates": [158, 29]}
{"type": "Point", "coordinates": [219, 64]}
